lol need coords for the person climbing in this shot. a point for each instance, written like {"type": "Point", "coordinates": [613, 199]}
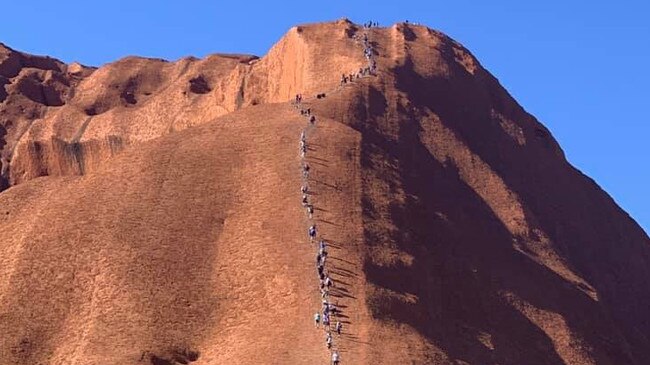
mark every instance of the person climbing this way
{"type": "Point", "coordinates": [328, 340]}
{"type": "Point", "coordinates": [333, 309]}
{"type": "Point", "coordinates": [310, 211]}
{"type": "Point", "coordinates": [305, 200]}
{"type": "Point", "coordinates": [328, 281]}
{"type": "Point", "coordinates": [305, 171]}
{"type": "Point", "coordinates": [343, 79]}
{"type": "Point", "coordinates": [312, 119]}
{"type": "Point", "coordinates": [308, 111]}
{"type": "Point", "coordinates": [317, 319]}
{"type": "Point", "coordinates": [312, 233]}
{"type": "Point", "coordinates": [304, 189]}
{"type": "Point", "coordinates": [326, 320]}
{"type": "Point", "coordinates": [303, 150]}
{"type": "Point", "coordinates": [320, 268]}
{"type": "Point", "coordinates": [338, 327]}
{"type": "Point", "coordinates": [321, 245]}
{"type": "Point", "coordinates": [336, 359]}
{"type": "Point", "coordinates": [302, 136]}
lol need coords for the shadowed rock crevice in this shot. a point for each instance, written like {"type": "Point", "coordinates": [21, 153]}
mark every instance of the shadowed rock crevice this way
{"type": "Point", "coordinates": [199, 85]}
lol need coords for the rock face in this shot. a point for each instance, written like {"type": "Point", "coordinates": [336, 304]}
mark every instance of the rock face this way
{"type": "Point", "coordinates": [151, 215]}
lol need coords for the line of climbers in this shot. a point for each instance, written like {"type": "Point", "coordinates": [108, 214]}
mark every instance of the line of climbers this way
{"type": "Point", "coordinates": [369, 54]}
{"type": "Point", "coordinates": [327, 315]}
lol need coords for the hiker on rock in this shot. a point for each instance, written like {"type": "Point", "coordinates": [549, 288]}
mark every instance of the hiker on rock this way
{"type": "Point", "coordinates": [333, 309]}
{"type": "Point", "coordinates": [328, 281]}
{"type": "Point", "coordinates": [317, 319]}
{"type": "Point", "coordinates": [312, 232]}
{"type": "Point", "coordinates": [336, 359]}
{"type": "Point", "coordinates": [328, 340]}
{"type": "Point", "coordinates": [312, 119]}
{"type": "Point", "coordinates": [339, 327]}
{"type": "Point", "coordinates": [305, 200]}
{"type": "Point", "coordinates": [310, 211]}
{"type": "Point", "coordinates": [304, 189]}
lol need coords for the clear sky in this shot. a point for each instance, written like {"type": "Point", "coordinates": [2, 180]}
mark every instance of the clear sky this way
{"type": "Point", "coordinates": [581, 67]}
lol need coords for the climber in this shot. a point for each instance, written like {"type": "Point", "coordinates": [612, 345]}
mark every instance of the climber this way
{"type": "Point", "coordinates": [302, 136]}
{"type": "Point", "coordinates": [304, 189]}
{"type": "Point", "coordinates": [328, 340]}
{"type": "Point", "coordinates": [328, 281]}
{"type": "Point", "coordinates": [321, 245]}
{"type": "Point", "coordinates": [312, 119]}
{"type": "Point", "coordinates": [333, 309]}
{"type": "Point", "coordinates": [335, 358]}
{"type": "Point", "coordinates": [312, 232]}
{"type": "Point", "coordinates": [308, 111]}
{"type": "Point", "coordinates": [339, 327]}
{"type": "Point", "coordinates": [326, 320]}
{"type": "Point", "coordinates": [317, 319]}
{"type": "Point", "coordinates": [310, 211]}
{"type": "Point", "coordinates": [343, 79]}
{"type": "Point", "coordinates": [305, 200]}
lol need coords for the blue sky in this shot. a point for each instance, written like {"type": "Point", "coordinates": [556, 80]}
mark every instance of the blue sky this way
{"type": "Point", "coordinates": [581, 67]}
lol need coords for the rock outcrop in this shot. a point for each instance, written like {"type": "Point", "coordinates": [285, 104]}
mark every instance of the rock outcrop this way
{"type": "Point", "coordinates": [150, 213]}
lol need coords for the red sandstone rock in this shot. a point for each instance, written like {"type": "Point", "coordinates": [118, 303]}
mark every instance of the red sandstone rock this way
{"type": "Point", "coordinates": [166, 227]}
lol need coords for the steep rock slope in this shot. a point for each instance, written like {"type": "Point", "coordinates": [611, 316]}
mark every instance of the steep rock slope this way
{"type": "Point", "coordinates": [459, 233]}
